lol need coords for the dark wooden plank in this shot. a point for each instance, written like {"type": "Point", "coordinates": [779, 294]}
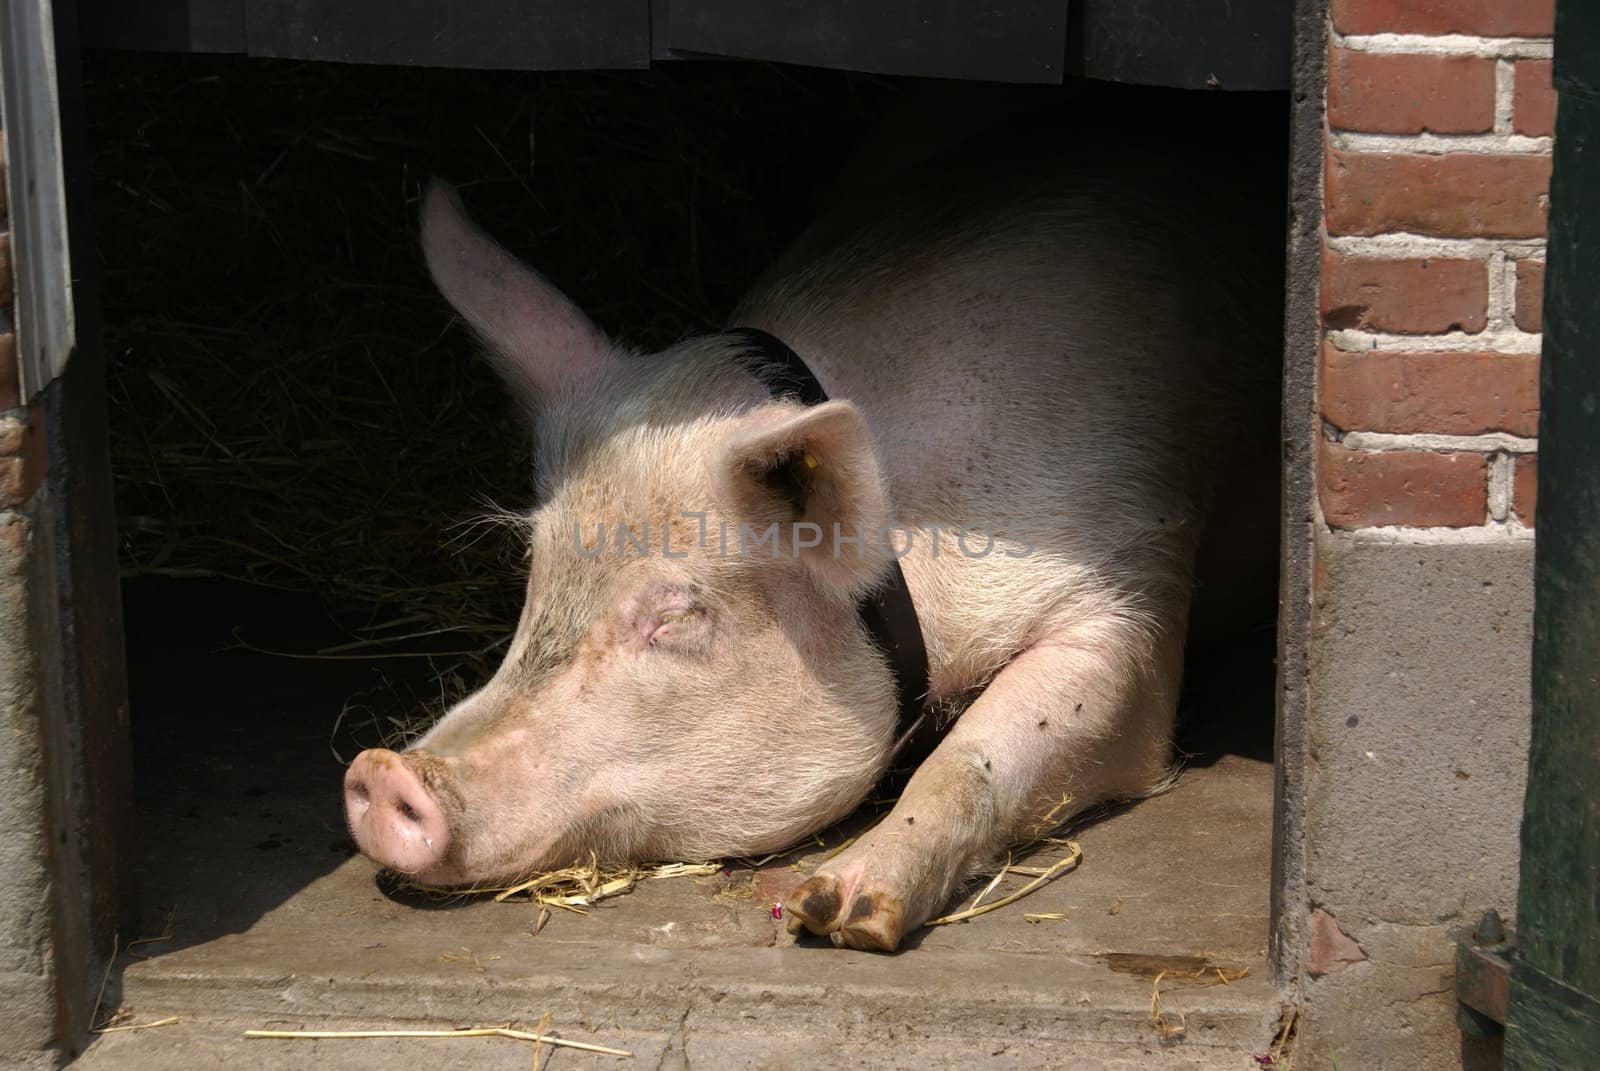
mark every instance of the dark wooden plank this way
{"type": "Point", "coordinates": [659, 12]}
{"type": "Point", "coordinates": [1191, 44]}
{"type": "Point", "coordinates": [1011, 41]}
{"type": "Point", "coordinates": [163, 25]}
{"type": "Point", "coordinates": [1228, 44]}
{"type": "Point", "coordinates": [1551, 1026]}
{"type": "Point", "coordinates": [507, 34]}
{"type": "Point", "coordinates": [1554, 1020]}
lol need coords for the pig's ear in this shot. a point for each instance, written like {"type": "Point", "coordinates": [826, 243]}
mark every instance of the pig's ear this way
{"type": "Point", "coordinates": [795, 468]}
{"type": "Point", "coordinates": [536, 337]}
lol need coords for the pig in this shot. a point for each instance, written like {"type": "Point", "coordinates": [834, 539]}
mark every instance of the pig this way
{"type": "Point", "coordinates": [1043, 359]}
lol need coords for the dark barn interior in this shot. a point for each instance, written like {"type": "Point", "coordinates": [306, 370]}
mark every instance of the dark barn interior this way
{"type": "Point", "coordinates": [305, 449]}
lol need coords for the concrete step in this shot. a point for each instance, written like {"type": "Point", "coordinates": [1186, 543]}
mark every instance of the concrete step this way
{"type": "Point", "coordinates": [779, 1007]}
{"type": "Point", "coordinates": [695, 971]}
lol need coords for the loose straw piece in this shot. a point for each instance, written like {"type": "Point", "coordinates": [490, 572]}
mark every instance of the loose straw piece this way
{"type": "Point", "coordinates": [1160, 1018]}
{"type": "Point", "coordinates": [164, 935]}
{"type": "Point", "coordinates": [168, 1021]}
{"type": "Point", "coordinates": [473, 1032]}
{"type": "Point", "coordinates": [116, 938]}
{"type": "Point", "coordinates": [1163, 1020]}
{"type": "Point", "coordinates": [989, 888]}
{"type": "Point", "coordinates": [836, 849]}
{"type": "Point", "coordinates": [590, 883]}
{"type": "Point", "coordinates": [1057, 868]}
{"type": "Point", "coordinates": [538, 1037]}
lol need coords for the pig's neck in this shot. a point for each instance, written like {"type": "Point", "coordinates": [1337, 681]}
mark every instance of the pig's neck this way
{"type": "Point", "coordinates": [917, 456]}
{"type": "Point", "coordinates": [873, 374]}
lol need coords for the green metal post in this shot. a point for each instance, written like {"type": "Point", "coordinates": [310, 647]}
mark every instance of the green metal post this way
{"type": "Point", "coordinates": [1554, 1017]}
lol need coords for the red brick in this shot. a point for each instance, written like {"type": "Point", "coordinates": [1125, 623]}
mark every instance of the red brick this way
{"type": "Point", "coordinates": [1394, 94]}
{"type": "Point", "coordinates": [10, 389]}
{"type": "Point", "coordinates": [22, 460]}
{"type": "Point", "coordinates": [1452, 195]}
{"type": "Point", "coordinates": [13, 436]}
{"type": "Point", "coordinates": [1409, 488]}
{"type": "Point", "coordinates": [1331, 948]}
{"type": "Point", "coordinates": [773, 884]}
{"type": "Point", "coordinates": [1489, 18]}
{"type": "Point", "coordinates": [13, 544]}
{"type": "Point", "coordinates": [1530, 295]}
{"type": "Point", "coordinates": [1438, 393]}
{"type": "Point", "coordinates": [1422, 297]}
{"type": "Point", "coordinates": [1525, 488]}
{"type": "Point", "coordinates": [17, 482]}
{"type": "Point", "coordinates": [1533, 99]}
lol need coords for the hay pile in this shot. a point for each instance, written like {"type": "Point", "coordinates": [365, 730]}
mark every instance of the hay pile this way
{"type": "Point", "coordinates": [290, 405]}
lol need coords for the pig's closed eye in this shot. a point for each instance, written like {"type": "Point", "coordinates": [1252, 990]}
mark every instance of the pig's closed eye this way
{"type": "Point", "coordinates": [668, 625]}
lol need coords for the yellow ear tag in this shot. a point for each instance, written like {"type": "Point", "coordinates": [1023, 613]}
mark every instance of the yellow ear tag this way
{"type": "Point", "coordinates": [811, 462]}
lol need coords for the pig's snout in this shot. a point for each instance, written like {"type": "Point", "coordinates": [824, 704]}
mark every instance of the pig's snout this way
{"type": "Point", "coordinates": [393, 817]}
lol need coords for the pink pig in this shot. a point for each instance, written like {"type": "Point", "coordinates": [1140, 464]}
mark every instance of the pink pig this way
{"type": "Point", "coordinates": [1046, 363]}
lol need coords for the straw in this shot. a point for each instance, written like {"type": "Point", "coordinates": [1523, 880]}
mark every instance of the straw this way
{"type": "Point", "coordinates": [1053, 871]}
{"type": "Point", "coordinates": [466, 1032]}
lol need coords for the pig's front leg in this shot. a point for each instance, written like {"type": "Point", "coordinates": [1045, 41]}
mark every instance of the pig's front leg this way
{"type": "Point", "coordinates": [1085, 715]}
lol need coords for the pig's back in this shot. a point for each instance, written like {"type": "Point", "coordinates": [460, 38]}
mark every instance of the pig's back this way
{"type": "Point", "coordinates": [1031, 345]}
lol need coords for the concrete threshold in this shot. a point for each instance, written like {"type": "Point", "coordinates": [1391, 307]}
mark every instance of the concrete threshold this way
{"type": "Point", "coordinates": [685, 972]}
{"type": "Point", "coordinates": [265, 919]}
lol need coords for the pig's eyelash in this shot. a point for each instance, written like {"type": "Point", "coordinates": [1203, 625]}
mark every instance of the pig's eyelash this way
{"type": "Point", "coordinates": [668, 618]}
{"type": "Point", "coordinates": [672, 616]}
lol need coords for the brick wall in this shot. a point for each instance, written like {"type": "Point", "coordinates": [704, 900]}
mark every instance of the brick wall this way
{"type": "Point", "coordinates": [1439, 122]}
{"type": "Point", "coordinates": [1411, 756]}
{"type": "Point", "coordinates": [21, 457]}
{"type": "Point", "coordinates": [22, 454]}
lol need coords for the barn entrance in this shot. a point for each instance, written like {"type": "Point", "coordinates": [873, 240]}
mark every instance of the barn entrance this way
{"type": "Point", "coordinates": [302, 452]}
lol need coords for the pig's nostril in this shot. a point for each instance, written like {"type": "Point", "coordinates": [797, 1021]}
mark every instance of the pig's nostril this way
{"type": "Point", "coordinates": [408, 812]}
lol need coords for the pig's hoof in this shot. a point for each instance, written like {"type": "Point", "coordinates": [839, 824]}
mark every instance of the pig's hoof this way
{"type": "Point", "coordinates": [871, 922]}
{"type": "Point", "coordinates": [814, 906]}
